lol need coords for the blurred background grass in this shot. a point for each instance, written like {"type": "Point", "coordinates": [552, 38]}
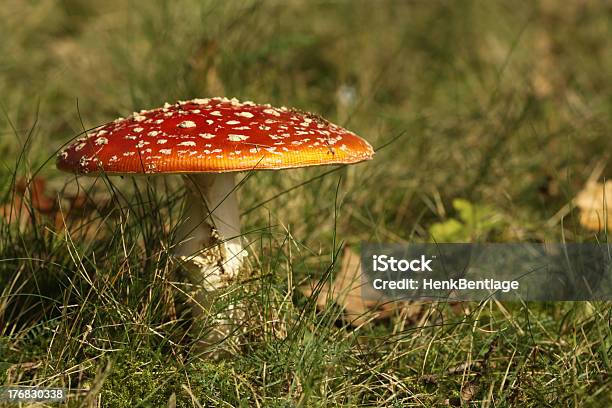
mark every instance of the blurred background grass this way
{"type": "Point", "coordinates": [505, 106]}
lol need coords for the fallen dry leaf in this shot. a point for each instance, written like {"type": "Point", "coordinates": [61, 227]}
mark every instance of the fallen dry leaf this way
{"type": "Point", "coordinates": [35, 190]}
{"type": "Point", "coordinates": [595, 204]}
{"type": "Point", "coordinates": [16, 212]}
{"type": "Point", "coordinates": [469, 391]}
{"type": "Point", "coordinates": [347, 291]}
{"type": "Point", "coordinates": [29, 203]}
{"type": "Point", "coordinates": [33, 204]}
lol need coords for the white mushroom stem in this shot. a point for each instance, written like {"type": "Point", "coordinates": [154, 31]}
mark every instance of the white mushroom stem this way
{"type": "Point", "coordinates": [208, 236]}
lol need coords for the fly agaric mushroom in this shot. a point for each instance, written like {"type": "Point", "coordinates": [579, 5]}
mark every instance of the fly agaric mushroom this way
{"type": "Point", "coordinates": [207, 140]}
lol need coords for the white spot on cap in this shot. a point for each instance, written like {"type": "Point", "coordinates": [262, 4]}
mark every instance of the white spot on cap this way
{"type": "Point", "coordinates": [138, 129]}
{"type": "Point", "coordinates": [138, 117]}
{"type": "Point", "coordinates": [101, 141]}
{"type": "Point", "coordinates": [129, 153]}
{"type": "Point", "coordinates": [64, 154]}
{"type": "Point", "coordinates": [142, 143]}
{"type": "Point", "coordinates": [236, 138]}
{"type": "Point", "coordinates": [206, 135]}
{"type": "Point", "coordinates": [166, 151]}
{"type": "Point", "coordinates": [188, 143]}
{"type": "Point", "coordinates": [200, 101]}
{"type": "Point", "coordinates": [153, 133]}
{"type": "Point", "coordinates": [254, 150]}
{"type": "Point", "coordinates": [271, 112]}
{"type": "Point", "coordinates": [187, 124]}
{"type": "Point", "coordinates": [113, 159]}
{"type": "Point", "coordinates": [216, 113]}
{"type": "Point", "coordinates": [161, 141]}
{"type": "Point", "coordinates": [244, 114]}
{"type": "Point", "coordinates": [79, 147]}
{"type": "Point", "coordinates": [232, 122]}
{"type": "Point", "coordinates": [243, 128]}
{"type": "Point", "coordinates": [272, 150]}
{"type": "Point", "coordinates": [210, 121]}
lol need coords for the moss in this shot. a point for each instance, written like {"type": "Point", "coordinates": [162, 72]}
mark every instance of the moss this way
{"type": "Point", "coordinates": [146, 378]}
{"type": "Point", "coordinates": [139, 378]}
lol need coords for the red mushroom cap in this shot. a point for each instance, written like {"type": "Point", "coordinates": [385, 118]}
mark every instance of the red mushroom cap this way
{"type": "Point", "coordinates": [213, 135]}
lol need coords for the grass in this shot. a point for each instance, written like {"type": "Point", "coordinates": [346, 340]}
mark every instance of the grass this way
{"type": "Point", "coordinates": [504, 106]}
